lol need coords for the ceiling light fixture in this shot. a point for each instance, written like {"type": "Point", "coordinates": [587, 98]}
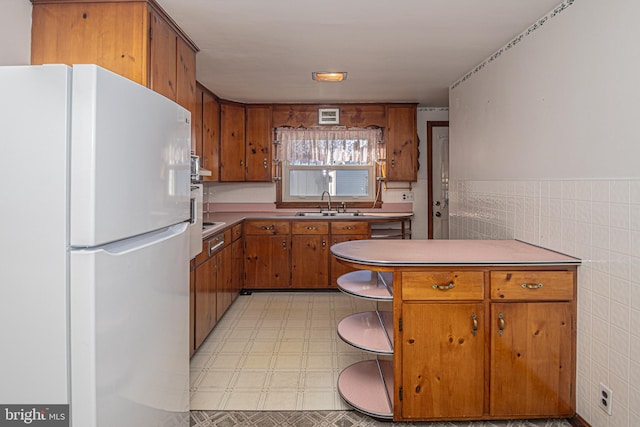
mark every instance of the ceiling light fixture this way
{"type": "Point", "coordinates": [323, 76]}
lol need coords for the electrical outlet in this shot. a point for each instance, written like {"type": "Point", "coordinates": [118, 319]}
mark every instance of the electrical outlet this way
{"type": "Point", "coordinates": [408, 196]}
{"type": "Point", "coordinates": [605, 398]}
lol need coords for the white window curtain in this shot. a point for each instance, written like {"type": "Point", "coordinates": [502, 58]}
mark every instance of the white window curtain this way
{"type": "Point", "coordinates": [328, 146]}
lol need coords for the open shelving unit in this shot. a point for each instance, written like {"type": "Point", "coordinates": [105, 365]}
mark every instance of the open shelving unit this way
{"type": "Point", "coordinates": [367, 386]}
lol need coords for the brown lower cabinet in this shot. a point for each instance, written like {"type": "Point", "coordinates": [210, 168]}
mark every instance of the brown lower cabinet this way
{"type": "Point", "coordinates": [498, 345]}
{"type": "Point", "coordinates": [214, 288]}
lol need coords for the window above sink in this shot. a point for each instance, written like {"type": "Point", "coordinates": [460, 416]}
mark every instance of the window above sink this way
{"type": "Point", "coordinates": [343, 162]}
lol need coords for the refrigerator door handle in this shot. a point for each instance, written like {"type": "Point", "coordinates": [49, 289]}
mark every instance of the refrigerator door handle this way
{"type": "Point", "coordinates": [139, 242]}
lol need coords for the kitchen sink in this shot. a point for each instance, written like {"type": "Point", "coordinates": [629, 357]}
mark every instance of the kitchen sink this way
{"type": "Point", "coordinates": [209, 225]}
{"type": "Point", "coordinates": [329, 213]}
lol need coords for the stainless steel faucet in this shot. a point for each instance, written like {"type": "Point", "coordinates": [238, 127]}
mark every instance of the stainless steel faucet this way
{"type": "Point", "coordinates": [322, 198]}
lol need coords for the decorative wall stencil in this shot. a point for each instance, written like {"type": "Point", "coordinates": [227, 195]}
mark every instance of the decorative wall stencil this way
{"type": "Point", "coordinates": [557, 10]}
{"type": "Point", "coordinates": [432, 109]}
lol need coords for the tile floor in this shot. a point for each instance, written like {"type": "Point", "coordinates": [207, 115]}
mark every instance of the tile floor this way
{"type": "Point", "coordinates": [276, 351]}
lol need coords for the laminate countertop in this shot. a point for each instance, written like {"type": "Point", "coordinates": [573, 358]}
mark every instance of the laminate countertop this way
{"type": "Point", "coordinates": [409, 253]}
{"type": "Point", "coordinates": [224, 220]}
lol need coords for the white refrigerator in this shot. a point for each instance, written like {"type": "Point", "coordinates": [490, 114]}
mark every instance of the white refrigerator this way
{"type": "Point", "coordinates": [94, 273]}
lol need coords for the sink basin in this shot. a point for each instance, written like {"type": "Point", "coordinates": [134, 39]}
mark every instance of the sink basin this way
{"type": "Point", "coordinates": [209, 225]}
{"type": "Point", "coordinates": [329, 213]}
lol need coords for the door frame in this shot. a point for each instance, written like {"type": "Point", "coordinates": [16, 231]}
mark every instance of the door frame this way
{"type": "Point", "coordinates": [430, 126]}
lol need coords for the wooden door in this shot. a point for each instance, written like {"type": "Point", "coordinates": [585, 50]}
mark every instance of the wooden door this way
{"type": "Point", "coordinates": [532, 359]}
{"type": "Point", "coordinates": [266, 262]}
{"type": "Point", "coordinates": [232, 142]}
{"type": "Point", "coordinates": [402, 144]}
{"type": "Point", "coordinates": [310, 261]}
{"type": "Point", "coordinates": [258, 143]}
{"type": "Point", "coordinates": [162, 58]}
{"type": "Point", "coordinates": [442, 360]}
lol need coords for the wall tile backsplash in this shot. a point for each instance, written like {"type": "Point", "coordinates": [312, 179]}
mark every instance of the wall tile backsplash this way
{"type": "Point", "coordinates": [599, 222]}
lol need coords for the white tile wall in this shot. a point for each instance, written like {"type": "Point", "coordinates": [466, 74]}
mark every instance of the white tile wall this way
{"type": "Point", "coordinates": [599, 222]}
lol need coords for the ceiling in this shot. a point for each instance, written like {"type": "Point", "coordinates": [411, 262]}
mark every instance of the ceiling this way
{"type": "Point", "coordinates": [257, 51]}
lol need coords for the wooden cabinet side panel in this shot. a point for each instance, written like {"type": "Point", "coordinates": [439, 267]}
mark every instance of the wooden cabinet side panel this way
{"type": "Point", "coordinates": [224, 279]}
{"type": "Point", "coordinates": [259, 143]}
{"type": "Point", "coordinates": [232, 142]}
{"type": "Point", "coordinates": [337, 268]}
{"type": "Point", "coordinates": [532, 360]}
{"type": "Point", "coordinates": [442, 361]}
{"type": "Point", "coordinates": [112, 35]}
{"type": "Point", "coordinates": [163, 62]}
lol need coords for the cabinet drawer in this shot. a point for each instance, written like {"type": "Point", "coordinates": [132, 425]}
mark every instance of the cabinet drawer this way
{"type": "Point", "coordinates": [349, 227]}
{"type": "Point", "coordinates": [443, 286]}
{"type": "Point", "coordinates": [266, 227]}
{"type": "Point", "coordinates": [310, 227]}
{"type": "Point", "coordinates": [532, 285]}
{"type": "Point", "coordinates": [236, 232]}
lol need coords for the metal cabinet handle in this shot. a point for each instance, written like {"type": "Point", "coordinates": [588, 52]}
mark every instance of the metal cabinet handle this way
{"type": "Point", "coordinates": [500, 323]}
{"type": "Point", "coordinates": [284, 244]}
{"type": "Point", "coordinates": [393, 162]}
{"type": "Point", "coordinates": [443, 287]}
{"type": "Point", "coordinates": [264, 163]}
{"type": "Point", "coordinates": [311, 227]}
{"type": "Point", "coordinates": [324, 245]}
{"type": "Point", "coordinates": [474, 331]}
{"type": "Point", "coordinates": [348, 227]}
{"type": "Point", "coordinates": [271, 227]}
{"type": "Point", "coordinates": [532, 286]}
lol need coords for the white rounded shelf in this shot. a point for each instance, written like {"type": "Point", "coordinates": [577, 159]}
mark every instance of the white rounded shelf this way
{"type": "Point", "coordinates": [370, 331]}
{"type": "Point", "coordinates": [367, 386]}
{"type": "Point", "coordinates": [367, 284]}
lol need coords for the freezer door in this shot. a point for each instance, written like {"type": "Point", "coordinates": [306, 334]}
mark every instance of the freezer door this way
{"type": "Point", "coordinates": [130, 159]}
{"type": "Point", "coordinates": [129, 320]}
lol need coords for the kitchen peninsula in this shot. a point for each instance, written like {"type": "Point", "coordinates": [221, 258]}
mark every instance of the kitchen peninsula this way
{"type": "Point", "coordinates": [481, 329]}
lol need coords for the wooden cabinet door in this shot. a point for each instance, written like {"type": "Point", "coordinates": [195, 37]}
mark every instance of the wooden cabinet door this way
{"type": "Point", "coordinates": [337, 268]}
{"type": "Point", "coordinates": [442, 360]}
{"type": "Point", "coordinates": [402, 143]}
{"type": "Point", "coordinates": [205, 302]}
{"type": "Point", "coordinates": [162, 58]}
{"type": "Point", "coordinates": [112, 35]}
{"type": "Point", "coordinates": [258, 143]}
{"type": "Point", "coordinates": [232, 142]}
{"type": "Point", "coordinates": [310, 261]}
{"type": "Point", "coordinates": [224, 277]}
{"type": "Point", "coordinates": [186, 82]}
{"type": "Point", "coordinates": [266, 261]}
{"type": "Point", "coordinates": [210, 136]}
{"type": "Point", "coordinates": [532, 359]}
{"type": "Point", "coordinates": [237, 267]}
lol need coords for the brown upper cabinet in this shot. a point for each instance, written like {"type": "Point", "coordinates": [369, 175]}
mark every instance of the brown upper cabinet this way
{"type": "Point", "coordinates": [259, 140]}
{"type": "Point", "coordinates": [232, 141]}
{"type": "Point", "coordinates": [135, 39]}
{"type": "Point", "coordinates": [207, 130]}
{"type": "Point", "coordinates": [401, 138]}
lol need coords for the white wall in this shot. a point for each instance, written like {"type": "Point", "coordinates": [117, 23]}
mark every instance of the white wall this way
{"type": "Point", "coordinates": [544, 148]}
{"type": "Point", "coordinates": [15, 32]}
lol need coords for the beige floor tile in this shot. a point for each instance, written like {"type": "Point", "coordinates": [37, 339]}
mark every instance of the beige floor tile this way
{"type": "Point", "coordinates": [320, 361]}
{"type": "Point", "coordinates": [287, 380]}
{"type": "Point", "coordinates": [242, 399]}
{"type": "Point", "coordinates": [321, 379]}
{"type": "Point", "coordinates": [216, 380]}
{"type": "Point", "coordinates": [226, 361]}
{"type": "Point", "coordinates": [257, 361]}
{"type": "Point", "coordinates": [317, 400]}
{"type": "Point", "coordinates": [250, 380]}
{"type": "Point", "coordinates": [289, 361]}
{"type": "Point", "coordinates": [204, 400]}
